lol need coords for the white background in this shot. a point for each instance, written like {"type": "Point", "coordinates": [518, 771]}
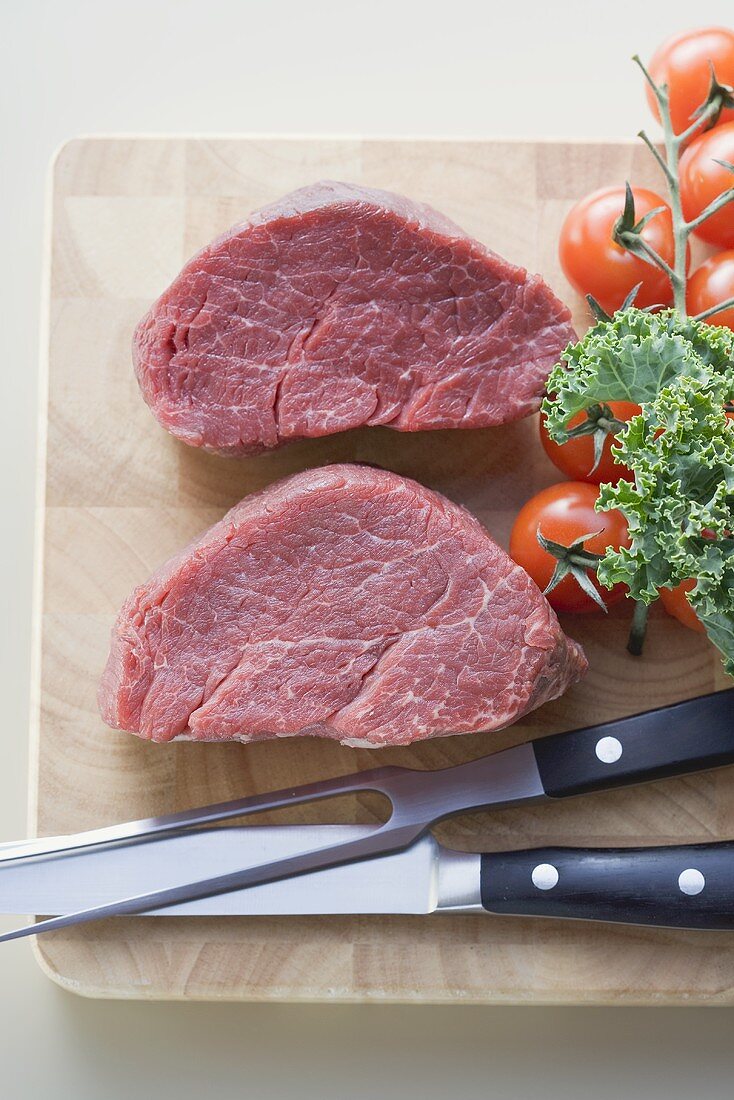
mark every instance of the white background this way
{"type": "Point", "coordinates": [530, 68]}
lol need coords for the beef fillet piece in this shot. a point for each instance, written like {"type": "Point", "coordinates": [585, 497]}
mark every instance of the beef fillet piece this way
{"type": "Point", "coordinates": [345, 602]}
{"type": "Point", "coordinates": [340, 306]}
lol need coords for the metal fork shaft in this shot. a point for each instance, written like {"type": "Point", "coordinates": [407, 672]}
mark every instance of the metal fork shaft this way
{"type": "Point", "coordinates": [135, 832]}
{"type": "Point", "coordinates": [389, 838]}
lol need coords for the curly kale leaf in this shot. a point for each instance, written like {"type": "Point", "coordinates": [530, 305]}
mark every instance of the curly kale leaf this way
{"type": "Point", "coordinates": [633, 357]}
{"type": "Point", "coordinates": [680, 507]}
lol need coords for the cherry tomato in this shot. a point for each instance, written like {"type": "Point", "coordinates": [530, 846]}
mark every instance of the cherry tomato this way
{"type": "Point", "coordinates": [675, 603]}
{"type": "Point", "coordinates": [595, 264]}
{"type": "Point", "coordinates": [702, 180]}
{"type": "Point", "coordinates": [576, 457]}
{"type": "Point", "coordinates": [564, 513]}
{"type": "Point", "coordinates": [683, 63]}
{"type": "Point", "coordinates": [710, 283]}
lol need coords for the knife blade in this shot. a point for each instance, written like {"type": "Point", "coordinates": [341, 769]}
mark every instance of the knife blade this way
{"type": "Point", "coordinates": [419, 879]}
{"type": "Point", "coordinates": [674, 740]}
{"type": "Point", "coordinates": [685, 886]}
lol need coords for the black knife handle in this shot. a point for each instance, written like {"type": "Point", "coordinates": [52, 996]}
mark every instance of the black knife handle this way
{"type": "Point", "coordinates": [675, 740]}
{"type": "Point", "coordinates": [687, 886]}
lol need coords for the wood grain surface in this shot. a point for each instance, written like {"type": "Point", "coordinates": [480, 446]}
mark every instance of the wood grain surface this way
{"type": "Point", "coordinates": [117, 496]}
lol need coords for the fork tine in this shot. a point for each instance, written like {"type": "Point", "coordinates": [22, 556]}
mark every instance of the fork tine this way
{"type": "Point", "coordinates": [135, 832]}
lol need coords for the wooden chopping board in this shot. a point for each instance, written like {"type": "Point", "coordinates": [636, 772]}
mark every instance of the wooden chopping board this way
{"type": "Point", "coordinates": [117, 496]}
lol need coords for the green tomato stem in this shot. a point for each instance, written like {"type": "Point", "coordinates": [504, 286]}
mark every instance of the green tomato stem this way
{"type": "Point", "coordinates": [721, 200]}
{"type": "Point", "coordinates": [726, 304]}
{"type": "Point", "coordinates": [636, 640]}
{"type": "Point", "coordinates": [656, 153]}
{"type": "Point", "coordinates": [698, 124]}
{"type": "Point", "coordinates": [657, 259]}
{"type": "Point", "coordinates": [670, 164]}
{"type": "Point", "coordinates": [680, 229]}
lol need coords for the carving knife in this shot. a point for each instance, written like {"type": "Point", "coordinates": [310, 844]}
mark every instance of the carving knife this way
{"type": "Point", "coordinates": [673, 740]}
{"type": "Point", "coordinates": [685, 886]}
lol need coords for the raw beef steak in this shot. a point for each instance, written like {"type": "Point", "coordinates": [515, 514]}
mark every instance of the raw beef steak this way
{"type": "Point", "coordinates": [346, 602]}
{"type": "Point", "coordinates": [340, 306]}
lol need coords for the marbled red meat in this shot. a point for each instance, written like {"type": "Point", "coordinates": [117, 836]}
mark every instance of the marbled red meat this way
{"type": "Point", "coordinates": [345, 602]}
{"type": "Point", "coordinates": [340, 306]}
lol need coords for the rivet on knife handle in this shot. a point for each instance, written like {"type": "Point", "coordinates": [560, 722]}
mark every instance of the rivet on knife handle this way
{"type": "Point", "coordinates": [691, 736]}
{"type": "Point", "coordinates": [674, 740]}
{"type": "Point", "coordinates": [681, 886]}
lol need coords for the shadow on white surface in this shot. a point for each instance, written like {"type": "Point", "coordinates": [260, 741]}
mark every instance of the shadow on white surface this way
{"type": "Point", "coordinates": [358, 1052]}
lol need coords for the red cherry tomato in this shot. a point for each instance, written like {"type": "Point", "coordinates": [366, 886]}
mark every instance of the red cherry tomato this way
{"type": "Point", "coordinates": [595, 264]}
{"type": "Point", "coordinates": [675, 603]}
{"type": "Point", "coordinates": [564, 513]}
{"type": "Point", "coordinates": [683, 63]}
{"type": "Point", "coordinates": [702, 179]}
{"type": "Point", "coordinates": [576, 457]}
{"type": "Point", "coordinates": [711, 283]}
